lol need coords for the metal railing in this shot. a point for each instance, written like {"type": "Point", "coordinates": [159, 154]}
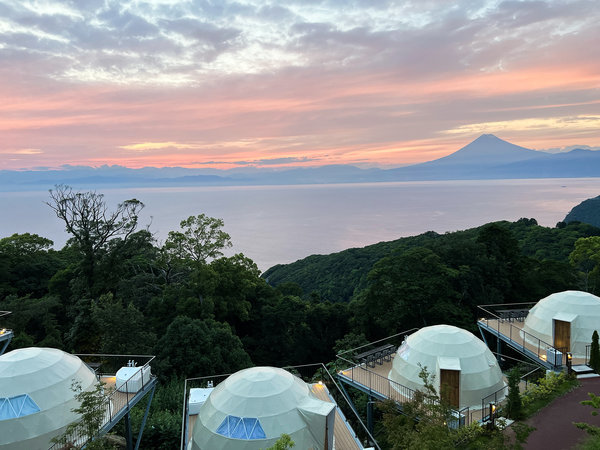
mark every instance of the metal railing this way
{"type": "Point", "coordinates": [117, 398]}
{"type": "Point", "coordinates": [496, 398]}
{"type": "Point", "coordinates": [382, 387]}
{"type": "Point", "coordinates": [215, 380]}
{"type": "Point", "coordinates": [395, 339]}
{"type": "Point", "coordinates": [519, 337]}
{"type": "Point", "coordinates": [6, 334]}
{"type": "Point", "coordinates": [5, 330]}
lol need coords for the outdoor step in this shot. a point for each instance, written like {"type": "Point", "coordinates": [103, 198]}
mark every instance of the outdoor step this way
{"type": "Point", "coordinates": [588, 375]}
{"type": "Point", "coordinates": [581, 369]}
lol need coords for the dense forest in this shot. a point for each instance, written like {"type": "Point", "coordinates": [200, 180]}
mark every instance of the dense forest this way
{"type": "Point", "coordinates": [113, 289]}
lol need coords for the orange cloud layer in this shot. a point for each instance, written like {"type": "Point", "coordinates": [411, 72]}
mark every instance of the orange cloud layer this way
{"type": "Point", "coordinates": [377, 119]}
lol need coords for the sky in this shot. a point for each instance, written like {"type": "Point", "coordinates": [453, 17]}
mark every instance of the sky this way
{"type": "Point", "coordinates": [226, 84]}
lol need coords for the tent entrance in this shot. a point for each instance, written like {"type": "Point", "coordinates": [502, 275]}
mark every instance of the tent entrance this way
{"type": "Point", "coordinates": [450, 386]}
{"type": "Point", "coordinates": [562, 336]}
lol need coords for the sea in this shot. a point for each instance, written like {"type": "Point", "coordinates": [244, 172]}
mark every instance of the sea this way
{"type": "Point", "coordinates": [281, 224]}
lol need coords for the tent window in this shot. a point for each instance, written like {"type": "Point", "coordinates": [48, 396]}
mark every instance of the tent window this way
{"type": "Point", "coordinates": [241, 428]}
{"type": "Point", "coordinates": [19, 406]}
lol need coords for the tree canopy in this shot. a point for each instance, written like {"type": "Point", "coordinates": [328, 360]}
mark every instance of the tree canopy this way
{"type": "Point", "coordinates": [113, 289]}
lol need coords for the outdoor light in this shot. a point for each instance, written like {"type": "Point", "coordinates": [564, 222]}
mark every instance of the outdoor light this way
{"type": "Point", "coordinates": [321, 383]}
{"type": "Point", "coordinates": [492, 413]}
{"type": "Point", "coordinates": [569, 362]}
{"type": "Point", "coordinates": [3, 330]}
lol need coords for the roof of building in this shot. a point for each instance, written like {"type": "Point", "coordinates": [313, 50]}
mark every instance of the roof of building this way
{"type": "Point", "coordinates": [580, 309]}
{"type": "Point", "coordinates": [450, 348]}
{"type": "Point", "coordinates": [36, 385]}
{"type": "Point", "coordinates": [253, 407]}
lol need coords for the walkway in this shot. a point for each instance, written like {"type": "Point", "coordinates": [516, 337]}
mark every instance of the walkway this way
{"type": "Point", "coordinates": [554, 424]}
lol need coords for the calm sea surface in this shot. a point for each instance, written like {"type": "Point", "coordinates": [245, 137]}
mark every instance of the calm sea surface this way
{"type": "Point", "coordinates": [280, 224]}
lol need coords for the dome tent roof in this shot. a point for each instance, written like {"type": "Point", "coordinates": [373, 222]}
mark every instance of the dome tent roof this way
{"type": "Point", "coordinates": [448, 347]}
{"type": "Point", "coordinates": [45, 376]}
{"type": "Point", "coordinates": [266, 402]}
{"type": "Point", "coordinates": [581, 309]}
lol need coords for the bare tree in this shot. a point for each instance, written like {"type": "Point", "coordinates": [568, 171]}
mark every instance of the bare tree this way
{"type": "Point", "coordinates": [88, 219]}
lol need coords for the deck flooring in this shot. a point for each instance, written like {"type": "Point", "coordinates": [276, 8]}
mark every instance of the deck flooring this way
{"type": "Point", "coordinates": [376, 380]}
{"type": "Point", "coordinates": [511, 330]}
{"type": "Point", "coordinates": [119, 399]}
{"type": "Point", "coordinates": [118, 402]}
{"type": "Point", "coordinates": [343, 438]}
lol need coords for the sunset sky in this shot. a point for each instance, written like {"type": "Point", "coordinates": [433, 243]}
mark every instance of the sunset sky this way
{"type": "Point", "coordinates": [275, 83]}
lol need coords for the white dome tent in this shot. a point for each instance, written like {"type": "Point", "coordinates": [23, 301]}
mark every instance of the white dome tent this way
{"type": "Point", "coordinates": [36, 396]}
{"type": "Point", "coordinates": [456, 358]}
{"type": "Point", "coordinates": [565, 320]}
{"type": "Point", "coordinates": [252, 408]}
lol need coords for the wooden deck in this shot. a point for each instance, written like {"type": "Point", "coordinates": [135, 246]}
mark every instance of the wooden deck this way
{"type": "Point", "coordinates": [511, 332]}
{"type": "Point", "coordinates": [374, 381]}
{"type": "Point", "coordinates": [343, 435]}
{"type": "Point", "coordinates": [114, 409]}
{"type": "Point", "coordinates": [119, 400]}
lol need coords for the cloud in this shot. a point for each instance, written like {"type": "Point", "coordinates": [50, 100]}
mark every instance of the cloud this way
{"type": "Point", "coordinates": [22, 151]}
{"type": "Point", "coordinates": [147, 146]}
{"type": "Point", "coordinates": [173, 82]}
{"type": "Point", "coordinates": [568, 148]}
{"type": "Point", "coordinates": [574, 123]}
{"type": "Point", "coordinates": [276, 161]}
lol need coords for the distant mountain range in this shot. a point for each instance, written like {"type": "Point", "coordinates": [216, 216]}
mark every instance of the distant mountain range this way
{"type": "Point", "coordinates": [487, 157]}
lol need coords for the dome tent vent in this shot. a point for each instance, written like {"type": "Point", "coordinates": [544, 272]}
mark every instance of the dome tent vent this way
{"type": "Point", "coordinates": [18, 406]}
{"type": "Point", "coordinates": [241, 428]}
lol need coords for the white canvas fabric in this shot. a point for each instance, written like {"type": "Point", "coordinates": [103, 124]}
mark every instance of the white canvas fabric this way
{"type": "Point", "coordinates": [449, 347]}
{"type": "Point", "coordinates": [279, 401]}
{"type": "Point", "coordinates": [581, 309]}
{"type": "Point", "coordinates": [46, 376]}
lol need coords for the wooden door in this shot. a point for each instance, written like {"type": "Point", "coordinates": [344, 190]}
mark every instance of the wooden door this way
{"type": "Point", "coordinates": [562, 335]}
{"type": "Point", "coordinates": [450, 386]}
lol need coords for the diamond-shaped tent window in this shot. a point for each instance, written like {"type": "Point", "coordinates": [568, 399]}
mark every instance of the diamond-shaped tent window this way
{"type": "Point", "coordinates": [247, 428]}
{"type": "Point", "coordinates": [18, 406]}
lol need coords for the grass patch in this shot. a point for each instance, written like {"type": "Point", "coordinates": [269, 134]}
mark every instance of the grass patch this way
{"type": "Point", "coordinates": [522, 431]}
{"type": "Point", "coordinates": [592, 443]}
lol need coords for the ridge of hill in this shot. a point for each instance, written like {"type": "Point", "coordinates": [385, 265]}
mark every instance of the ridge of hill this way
{"type": "Point", "coordinates": [588, 211]}
{"type": "Point", "coordinates": [339, 276]}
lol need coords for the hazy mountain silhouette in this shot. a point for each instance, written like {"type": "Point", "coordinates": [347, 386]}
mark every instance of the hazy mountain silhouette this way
{"type": "Point", "coordinates": [487, 157]}
{"type": "Point", "coordinates": [487, 149]}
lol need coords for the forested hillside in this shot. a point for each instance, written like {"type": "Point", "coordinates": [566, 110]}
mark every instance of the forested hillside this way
{"type": "Point", "coordinates": [587, 211]}
{"type": "Point", "coordinates": [114, 289]}
{"type": "Point", "coordinates": [339, 276]}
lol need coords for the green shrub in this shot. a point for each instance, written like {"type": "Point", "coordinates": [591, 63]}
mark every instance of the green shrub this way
{"type": "Point", "coordinates": [547, 389]}
{"type": "Point", "coordinates": [595, 353]}
{"type": "Point", "coordinates": [514, 405]}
